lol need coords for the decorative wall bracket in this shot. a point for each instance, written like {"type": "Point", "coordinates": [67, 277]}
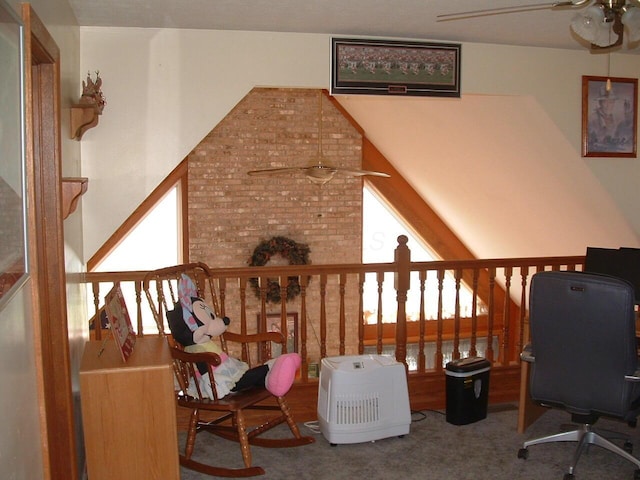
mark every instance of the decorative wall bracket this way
{"type": "Point", "coordinates": [72, 189]}
{"type": "Point", "coordinates": [85, 115]}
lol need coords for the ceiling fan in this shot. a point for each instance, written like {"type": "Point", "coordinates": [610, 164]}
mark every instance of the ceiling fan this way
{"type": "Point", "coordinates": [601, 23]}
{"type": "Point", "coordinates": [320, 172]}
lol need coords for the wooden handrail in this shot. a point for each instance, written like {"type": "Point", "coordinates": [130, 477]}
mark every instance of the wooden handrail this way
{"type": "Point", "coordinates": [331, 313]}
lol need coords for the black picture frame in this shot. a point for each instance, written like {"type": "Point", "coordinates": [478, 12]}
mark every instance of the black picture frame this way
{"type": "Point", "coordinates": [389, 67]}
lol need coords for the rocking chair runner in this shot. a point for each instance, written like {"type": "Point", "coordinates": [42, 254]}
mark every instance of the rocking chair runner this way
{"type": "Point", "coordinates": [228, 412]}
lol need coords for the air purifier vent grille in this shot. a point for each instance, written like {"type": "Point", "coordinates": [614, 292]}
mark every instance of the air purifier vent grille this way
{"type": "Point", "coordinates": [358, 410]}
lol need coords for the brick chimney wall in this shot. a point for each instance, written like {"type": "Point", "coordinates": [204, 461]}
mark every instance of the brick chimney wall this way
{"type": "Point", "coordinates": [230, 212]}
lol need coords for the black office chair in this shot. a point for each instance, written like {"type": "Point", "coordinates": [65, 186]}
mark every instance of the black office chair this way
{"type": "Point", "coordinates": [583, 355]}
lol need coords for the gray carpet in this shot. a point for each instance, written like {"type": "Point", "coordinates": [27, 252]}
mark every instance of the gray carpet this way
{"type": "Point", "coordinates": [437, 450]}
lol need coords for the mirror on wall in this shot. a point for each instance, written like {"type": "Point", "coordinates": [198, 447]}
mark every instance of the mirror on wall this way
{"type": "Point", "coordinates": [13, 252]}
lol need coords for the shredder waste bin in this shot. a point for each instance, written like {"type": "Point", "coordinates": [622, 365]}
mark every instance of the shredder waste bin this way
{"type": "Point", "coordinates": [467, 382]}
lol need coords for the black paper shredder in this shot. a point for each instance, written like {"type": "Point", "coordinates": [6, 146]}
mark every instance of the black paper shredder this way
{"type": "Point", "coordinates": [467, 390]}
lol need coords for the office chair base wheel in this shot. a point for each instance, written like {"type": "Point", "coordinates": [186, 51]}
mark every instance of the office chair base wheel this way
{"type": "Point", "coordinates": [568, 476]}
{"type": "Point", "coordinates": [523, 453]}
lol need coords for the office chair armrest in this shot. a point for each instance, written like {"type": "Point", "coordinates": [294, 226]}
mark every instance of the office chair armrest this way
{"type": "Point", "coordinates": [528, 356]}
{"type": "Point", "coordinates": [633, 378]}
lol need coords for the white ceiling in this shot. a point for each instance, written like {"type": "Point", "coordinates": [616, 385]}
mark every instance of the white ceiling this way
{"type": "Point", "coordinates": [415, 19]}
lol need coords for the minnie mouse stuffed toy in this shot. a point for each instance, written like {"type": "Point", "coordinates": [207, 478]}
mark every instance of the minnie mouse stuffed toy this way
{"type": "Point", "coordinates": [194, 325]}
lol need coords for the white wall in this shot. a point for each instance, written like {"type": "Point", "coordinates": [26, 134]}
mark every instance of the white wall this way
{"type": "Point", "coordinates": [20, 452]}
{"type": "Point", "coordinates": [166, 89]}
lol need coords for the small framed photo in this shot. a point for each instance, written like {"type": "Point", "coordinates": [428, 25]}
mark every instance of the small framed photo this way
{"type": "Point", "coordinates": [120, 322]}
{"type": "Point", "coordinates": [273, 324]}
{"type": "Point", "coordinates": [609, 116]}
{"type": "Point", "coordinates": [386, 67]}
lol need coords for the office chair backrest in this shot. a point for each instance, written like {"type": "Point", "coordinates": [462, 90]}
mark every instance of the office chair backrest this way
{"type": "Point", "coordinates": [583, 339]}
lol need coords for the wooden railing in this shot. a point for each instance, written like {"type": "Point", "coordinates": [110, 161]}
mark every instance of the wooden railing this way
{"type": "Point", "coordinates": [333, 317]}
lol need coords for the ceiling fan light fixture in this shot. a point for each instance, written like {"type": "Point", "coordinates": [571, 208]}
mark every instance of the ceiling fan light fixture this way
{"type": "Point", "coordinates": [591, 25]}
{"type": "Point", "coordinates": [631, 20]}
{"type": "Point", "coordinates": [320, 174]}
{"type": "Point", "coordinates": [319, 180]}
{"type": "Point", "coordinates": [605, 35]}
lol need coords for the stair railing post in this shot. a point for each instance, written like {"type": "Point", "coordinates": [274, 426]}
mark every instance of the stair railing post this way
{"type": "Point", "coordinates": [402, 258]}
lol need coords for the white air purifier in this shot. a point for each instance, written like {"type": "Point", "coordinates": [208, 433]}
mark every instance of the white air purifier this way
{"type": "Point", "coordinates": [362, 398]}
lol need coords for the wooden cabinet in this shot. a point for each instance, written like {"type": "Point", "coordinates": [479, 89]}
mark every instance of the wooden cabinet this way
{"type": "Point", "coordinates": [129, 412]}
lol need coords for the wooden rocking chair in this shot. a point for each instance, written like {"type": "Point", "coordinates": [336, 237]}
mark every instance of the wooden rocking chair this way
{"type": "Point", "coordinates": [224, 416]}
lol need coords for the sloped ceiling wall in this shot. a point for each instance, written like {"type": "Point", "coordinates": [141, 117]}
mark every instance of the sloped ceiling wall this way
{"type": "Point", "coordinates": [508, 183]}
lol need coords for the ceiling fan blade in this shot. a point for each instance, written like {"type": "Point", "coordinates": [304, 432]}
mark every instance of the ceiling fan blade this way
{"type": "Point", "coordinates": [275, 171]}
{"type": "Point", "coordinates": [511, 9]}
{"type": "Point", "coordinates": [496, 11]}
{"type": "Point", "coordinates": [361, 173]}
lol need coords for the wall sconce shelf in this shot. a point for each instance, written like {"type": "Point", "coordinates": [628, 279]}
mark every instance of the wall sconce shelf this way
{"type": "Point", "coordinates": [83, 117]}
{"type": "Point", "coordinates": [72, 189]}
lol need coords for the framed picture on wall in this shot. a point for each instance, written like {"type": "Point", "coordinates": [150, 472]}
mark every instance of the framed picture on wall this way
{"type": "Point", "coordinates": [273, 324]}
{"type": "Point", "coordinates": [387, 67]}
{"type": "Point", "coordinates": [609, 116]}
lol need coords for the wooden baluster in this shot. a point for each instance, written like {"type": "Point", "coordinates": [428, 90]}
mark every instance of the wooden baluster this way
{"type": "Point", "coordinates": [422, 361]}
{"type": "Point", "coordinates": [343, 281]}
{"type": "Point", "coordinates": [323, 315]}
{"type": "Point", "coordinates": [222, 291]}
{"type": "Point", "coordinates": [262, 322]}
{"type": "Point", "coordinates": [506, 317]}
{"type": "Point", "coordinates": [491, 314]}
{"type": "Point", "coordinates": [161, 305]}
{"type": "Point", "coordinates": [380, 280]}
{"type": "Point", "coordinates": [361, 279]}
{"type": "Point", "coordinates": [211, 282]}
{"type": "Point", "coordinates": [304, 280]}
{"type": "Point", "coordinates": [403, 284]}
{"type": "Point", "coordinates": [439, 355]}
{"type": "Point", "coordinates": [284, 327]}
{"type": "Point", "coordinates": [473, 350]}
{"type": "Point", "coordinates": [97, 322]}
{"type": "Point", "coordinates": [242, 293]}
{"type": "Point", "coordinates": [138, 290]}
{"type": "Point", "coordinates": [260, 350]}
{"type": "Point", "coordinates": [524, 274]}
{"type": "Point", "coordinates": [264, 286]}
{"type": "Point", "coordinates": [456, 316]}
